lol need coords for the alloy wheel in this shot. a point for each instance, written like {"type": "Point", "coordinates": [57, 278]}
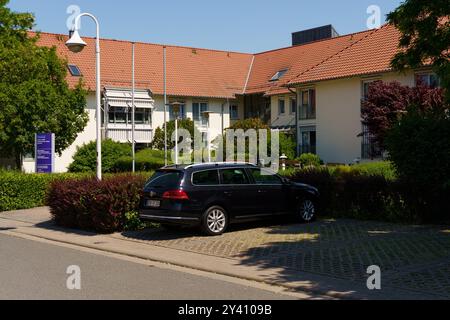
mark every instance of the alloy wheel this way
{"type": "Point", "coordinates": [216, 221]}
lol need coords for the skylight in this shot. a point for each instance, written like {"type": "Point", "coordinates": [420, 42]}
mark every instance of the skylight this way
{"type": "Point", "coordinates": [74, 70]}
{"type": "Point", "coordinates": [277, 76]}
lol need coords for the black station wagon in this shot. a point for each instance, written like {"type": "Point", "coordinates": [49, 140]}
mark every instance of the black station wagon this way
{"type": "Point", "coordinates": [214, 195]}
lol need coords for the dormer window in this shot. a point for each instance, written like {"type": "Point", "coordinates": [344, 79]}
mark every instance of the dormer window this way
{"type": "Point", "coordinates": [277, 76]}
{"type": "Point", "coordinates": [74, 70]}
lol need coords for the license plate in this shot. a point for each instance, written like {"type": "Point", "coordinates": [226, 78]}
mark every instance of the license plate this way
{"type": "Point", "coordinates": [153, 203]}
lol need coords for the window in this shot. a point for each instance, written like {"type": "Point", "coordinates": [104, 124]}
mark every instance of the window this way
{"type": "Point", "coordinates": [165, 179]}
{"type": "Point", "coordinates": [277, 76]}
{"type": "Point", "coordinates": [121, 115]}
{"type": "Point", "coordinates": [197, 110]}
{"type": "Point", "coordinates": [293, 105]}
{"type": "Point", "coordinates": [265, 178]}
{"type": "Point", "coordinates": [369, 149]}
{"type": "Point", "coordinates": [74, 70]}
{"type": "Point", "coordinates": [281, 107]}
{"type": "Point", "coordinates": [181, 115]}
{"type": "Point", "coordinates": [206, 178]}
{"type": "Point", "coordinates": [234, 177]}
{"type": "Point", "coordinates": [308, 139]}
{"type": "Point", "coordinates": [308, 104]}
{"type": "Point", "coordinates": [429, 79]}
{"type": "Point", "coordinates": [234, 112]}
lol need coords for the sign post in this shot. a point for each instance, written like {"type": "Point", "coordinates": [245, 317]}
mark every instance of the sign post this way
{"type": "Point", "coordinates": [45, 152]}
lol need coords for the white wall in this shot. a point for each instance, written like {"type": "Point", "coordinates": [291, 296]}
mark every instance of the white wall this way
{"type": "Point", "coordinates": [89, 134]}
{"type": "Point", "coordinates": [286, 119]}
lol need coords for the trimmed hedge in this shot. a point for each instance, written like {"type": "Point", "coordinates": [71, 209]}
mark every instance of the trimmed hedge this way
{"type": "Point", "coordinates": [24, 191]}
{"type": "Point", "coordinates": [102, 206]}
{"type": "Point", "coordinates": [348, 192]}
{"type": "Point", "coordinates": [146, 160]}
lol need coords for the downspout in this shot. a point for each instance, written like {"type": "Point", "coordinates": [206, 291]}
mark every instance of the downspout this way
{"type": "Point", "coordinates": [297, 139]}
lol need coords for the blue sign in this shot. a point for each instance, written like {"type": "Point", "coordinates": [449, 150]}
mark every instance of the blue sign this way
{"type": "Point", "coordinates": [45, 152]}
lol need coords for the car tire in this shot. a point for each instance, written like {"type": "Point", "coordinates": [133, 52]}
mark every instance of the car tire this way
{"type": "Point", "coordinates": [214, 221]}
{"type": "Point", "coordinates": [306, 210]}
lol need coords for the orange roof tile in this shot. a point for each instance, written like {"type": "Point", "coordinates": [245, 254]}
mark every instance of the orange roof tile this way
{"type": "Point", "coordinates": [372, 54]}
{"type": "Point", "coordinates": [296, 59]}
{"type": "Point", "coordinates": [191, 72]}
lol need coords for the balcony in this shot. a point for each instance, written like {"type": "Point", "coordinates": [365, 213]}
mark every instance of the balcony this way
{"type": "Point", "coordinates": [308, 149]}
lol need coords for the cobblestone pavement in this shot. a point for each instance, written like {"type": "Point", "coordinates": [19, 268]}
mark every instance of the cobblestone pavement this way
{"type": "Point", "coordinates": [411, 257]}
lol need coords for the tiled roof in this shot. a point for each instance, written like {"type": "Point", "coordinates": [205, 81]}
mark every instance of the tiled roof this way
{"type": "Point", "coordinates": [296, 59]}
{"type": "Point", "coordinates": [191, 72]}
{"type": "Point", "coordinates": [195, 72]}
{"type": "Point", "coordinates": [372, 54]}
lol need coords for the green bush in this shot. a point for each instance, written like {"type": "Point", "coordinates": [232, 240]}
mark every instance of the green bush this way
{"type": "Point", "coordinates": [146, 160]}
{"type": "Point", "coordinates": [383, 168]}
{"type": "Point", "coordinates": [25, 191]}
{"type": "Point", "coordinates": [348, 192]}
{"type": "Point", "coordinates": [158, 140]}
{"type": "Point", "coordinates": [85, 159]}
{"type": "Point", "coordinates": [419, 148]}
{"type": "Point", "coordinates": [309, 160]}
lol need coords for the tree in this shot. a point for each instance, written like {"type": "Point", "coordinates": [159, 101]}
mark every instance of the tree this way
{"type": "Point", "coordinates": [85, 159]}
{"type": "Point", "coordinates": [419, 148]}
{"type": "Point", "coordinates": [387, 103]}
{"type": "Point", "coordinates": [34, 94]}
{"type": "Point", "coordinates": [425, 36]}
{"type": "Point", "coordinates": [158, 141]}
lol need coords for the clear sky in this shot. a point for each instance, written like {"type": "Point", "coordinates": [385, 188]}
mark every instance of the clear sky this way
{"type": "Point", "coordinates": [236, 25]}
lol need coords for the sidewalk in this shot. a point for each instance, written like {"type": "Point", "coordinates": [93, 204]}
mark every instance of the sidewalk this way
{"type": "Point", "coordinates": [244, 254]}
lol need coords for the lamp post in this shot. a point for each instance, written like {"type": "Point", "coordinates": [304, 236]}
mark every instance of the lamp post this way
{"type": "Point", "coordinates": [176, 108]}
{"type": "Point", "coordinates": [207, 115]}
{"type": "Point", "coordinates": [76, 45]}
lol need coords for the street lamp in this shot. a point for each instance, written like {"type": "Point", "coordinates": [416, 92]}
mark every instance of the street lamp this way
{"type": "Point", "coordinates": [76, 45]}
{"type": "Point", "coordinates": [176, 108]}
{"type": "Point", "coordinates": [207, 115]}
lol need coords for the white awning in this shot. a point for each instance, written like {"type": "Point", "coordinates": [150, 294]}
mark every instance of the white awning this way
{"type": "Point", "coordinates": [117, 97]}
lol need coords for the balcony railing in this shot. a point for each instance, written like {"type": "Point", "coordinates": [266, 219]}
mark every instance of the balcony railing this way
{"type": "Point", "coordinates": [306, 114]}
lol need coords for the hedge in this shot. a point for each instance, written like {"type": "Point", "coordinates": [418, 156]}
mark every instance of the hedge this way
{"type": "Point", "coordinates": [348, 192]}
{"type": "Point", "coordinates": [101, 206]}
{"type": "Point", "coordinates": [146, 160]}
{"type": "Point", "coordinates": [24, 191]}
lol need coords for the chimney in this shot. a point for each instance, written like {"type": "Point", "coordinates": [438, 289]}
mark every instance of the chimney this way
{"type": "Point", "coordinates": [315, 34]}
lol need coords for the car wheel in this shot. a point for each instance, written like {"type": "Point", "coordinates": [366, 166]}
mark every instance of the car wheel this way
{"type": "Point", "coordinates": [215, 221]}
{"type": "Point", "coordinates": [307, 210]}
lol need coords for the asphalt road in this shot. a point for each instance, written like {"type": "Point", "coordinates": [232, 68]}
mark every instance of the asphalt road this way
{"type": "Point", "coordinates": [36, 270]}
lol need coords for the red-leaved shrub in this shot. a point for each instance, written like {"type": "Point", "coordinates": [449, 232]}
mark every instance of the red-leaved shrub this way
{"type": "Point", "coordinates": [89, 204]}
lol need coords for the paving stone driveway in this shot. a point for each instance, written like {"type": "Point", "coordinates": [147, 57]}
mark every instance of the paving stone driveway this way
{"type": "Point", "coordinates": [412, 258]}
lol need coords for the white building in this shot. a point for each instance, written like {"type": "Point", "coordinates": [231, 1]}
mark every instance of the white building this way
{"type": "Point", "coordinates": [312, 89]}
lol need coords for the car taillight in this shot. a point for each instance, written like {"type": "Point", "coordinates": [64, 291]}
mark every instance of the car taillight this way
{"type": "Point", "coordinates": [175, 195]}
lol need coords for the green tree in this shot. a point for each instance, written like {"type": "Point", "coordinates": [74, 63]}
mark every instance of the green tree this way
{"type": "Point", "coordinates": [425, 36]}
{"type": "Point", "coordinates": [85, 159]}
{"type": "Point", "coordinates": [158, 141]}
{"type": "Point", "coordinates": [34, 94]}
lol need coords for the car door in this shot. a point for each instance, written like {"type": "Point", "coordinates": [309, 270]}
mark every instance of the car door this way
{"type": "Point", "coordinates": [239, 194]}
{"type": "Point", "coordinates": [272, 195]}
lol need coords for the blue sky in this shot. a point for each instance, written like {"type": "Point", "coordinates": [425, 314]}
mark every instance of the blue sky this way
{"type": "Point", "coordinates": [236, 25]}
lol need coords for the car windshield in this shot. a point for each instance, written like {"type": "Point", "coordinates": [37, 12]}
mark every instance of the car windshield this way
{"type": "Point", "coordinates": [165, 179]}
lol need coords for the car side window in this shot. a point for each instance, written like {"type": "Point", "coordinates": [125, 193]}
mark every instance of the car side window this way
{"type": "Point", "coordinates": [266, 177]}
{"type": "Point", "coordinates": [206, 178]}
{"type": "Point", "coordinates": [234, 177]}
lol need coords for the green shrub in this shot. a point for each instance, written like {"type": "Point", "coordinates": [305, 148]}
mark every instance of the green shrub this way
{"type": "Point", "coordinates": [158, 140]}
{"type": "Point", "coordinates": [419, 148]}
{"type": "Point", "coordinates": [309, 160]}
{"type": "Point", "coordinates": [103, 206]}
{"type": "Point", "coordinates": [85, 159]}
{"type": "Point", "coordinates": [146, 160]}
{"type": "Point", "coordinates": [347, 192]}
{"type": "Point", "coordinates": [383, 168]}
{"type": "Point", "coordinates": [25, 191]}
